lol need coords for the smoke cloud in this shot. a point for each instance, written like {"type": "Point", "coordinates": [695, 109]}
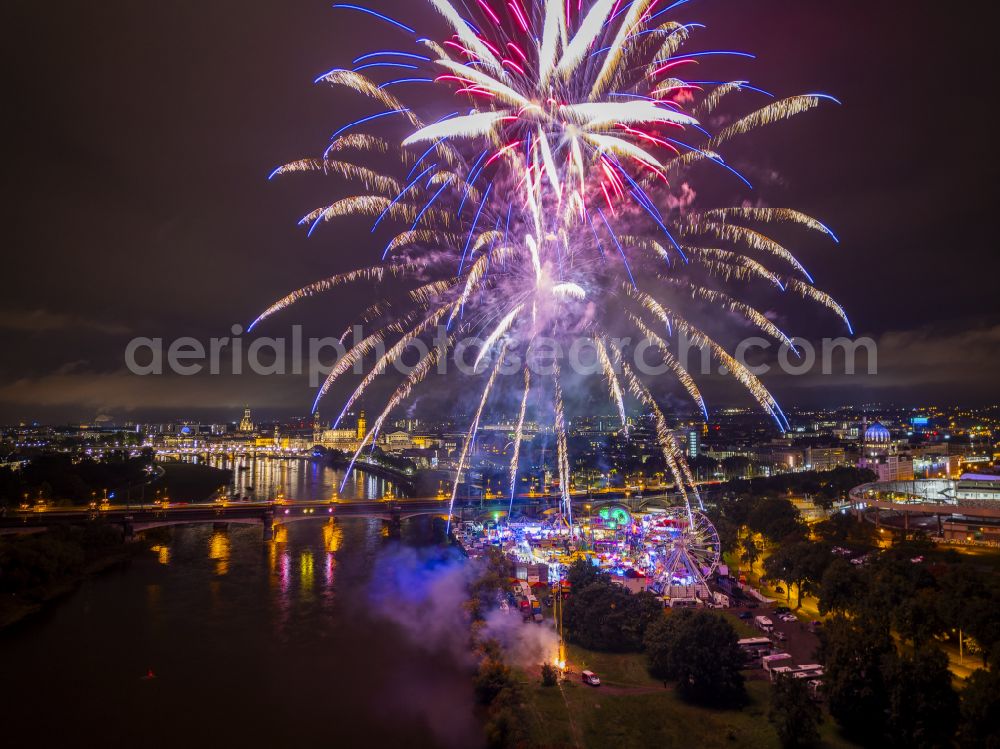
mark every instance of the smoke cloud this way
{"type": "Point", "coordinates": [423, 592]}
{"type": "Point", "coordinates": [524, 644]}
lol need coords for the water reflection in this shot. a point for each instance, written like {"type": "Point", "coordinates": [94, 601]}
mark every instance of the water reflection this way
{"type": "Point", "coordinates": [299, 561]}
{"type": "Point", "coordinates": [333, 535]}
{"type": "Point", "coordinates": [306, 574]}
{"type": "Point", "coordinates": [264, 478]}
{"type": "Point", "coordinates": [218, 550]}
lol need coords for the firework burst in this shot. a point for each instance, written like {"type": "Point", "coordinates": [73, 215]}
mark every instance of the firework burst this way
{"type": "Point", "coordinates": [541, 207]}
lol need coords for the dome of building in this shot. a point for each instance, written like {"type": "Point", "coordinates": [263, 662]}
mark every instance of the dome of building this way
{"type": "Point", "coordinates": [877, 434]}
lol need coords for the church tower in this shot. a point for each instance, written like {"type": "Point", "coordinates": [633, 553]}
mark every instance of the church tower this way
{"type": "Point", "coordinates": [246, 423]}
{"type": "Point", "coordinates": [362, 426]}
{"type": "Point", "coordinates": [317, 429]}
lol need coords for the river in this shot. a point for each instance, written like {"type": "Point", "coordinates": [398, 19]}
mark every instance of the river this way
{"type": "Point", "coordinates": [264, 478]}
{"type": "Point", "coordinates": [248, 643]}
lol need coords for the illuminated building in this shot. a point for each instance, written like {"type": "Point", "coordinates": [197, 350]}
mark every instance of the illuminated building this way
{"type": "Point", "coordinates": [395, 442]}
{"type": "Point", "coordinates": [879, 455]}
{"type": "Point", "coordinates": [347, 440]}
{"type": "Point", "coordinates": [824, 458]}
{"type": "Point", "coordinates": [693, 443]}
{"type": "Point", "coordinates": [317, 429]}
{"type": "Point", "coordinates": [978, 489]}
{"type": "Point", "coordinates": [246, 423]}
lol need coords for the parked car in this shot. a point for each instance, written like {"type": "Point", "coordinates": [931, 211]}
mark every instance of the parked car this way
{"type": "Point", "coordinates": [745, 615]}
{"type": "Point", "coordinates": [788, 618]}
{"type": "Point", "coordinates": [780, 636]}
{"type": "Point", "coordinates": [781, 610]}
{"type": "Point", "coordinates": [589, 677]}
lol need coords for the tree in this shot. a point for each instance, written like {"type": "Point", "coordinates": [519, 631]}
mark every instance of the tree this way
{"type": "Point", "coordinates": [737, 508]}
{"type": "Point", "coordinates": [775, 519]}
{"type": "Point", "coordinates": [824, 487]}
{"type": "Point", "coordinates": [841, 588]}
{"type": "Point", "coordinates": [918, 617]}
{"type": "Point", "coordinates": [605, 616]}
{"type": "Point", "coordinates": [749, 551]}
{"type": "Point", "coordinates": [852, 651]}
{"type": "Point", "coordinates": [550, 675]}
{"type": "Point", "coordinates": [904, 595]}
{"type": "Point", "coordinates": [923, 705]}
{"type": "Point", "coordinates": [968, 601]}
{"type": "Point", "coordinates": [700, 651]}
{"type": "Point", "coordinates": [800, 564]}
{"type": "Point", "coordinates": [980, 723]}
{"type": "Point", "coordinates": [843, 529]}
{"type": "Point", "coordinates": [659, 643]}
{"type": "Point", "coordinates": [794, 713]}
{"type": "Point", "coordinates": [642, 609]}
{"type": "Point", "coordinates": [735, 466]}
{"type": "Point", "coordinates": [781, 566]}
{"type": "Point", "coordinates": [814, 560]}
{"type": "Point", "coordinates": [728, 531]}
{"type": "Point", "coordinates": [703, 466]}
{"type": "Point", "coordinates": [495, 574]}
{"type": "Point", "coordinates": [505, 718]}
{"type": "Point", "coordinates": [493, 676]}
{"type": "Point", "coordinates": [582, 573]}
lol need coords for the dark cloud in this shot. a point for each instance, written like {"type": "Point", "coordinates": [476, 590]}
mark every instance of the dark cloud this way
{"type": "Point", "coordinates": [43, 321]}
{"type": "Point", "coordinates": [940, 363]}
{"type": "Point", "coordinates": [141, 135]}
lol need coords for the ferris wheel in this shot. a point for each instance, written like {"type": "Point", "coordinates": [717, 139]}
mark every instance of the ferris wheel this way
{"type": "Point", "coordinates": [688, 547]}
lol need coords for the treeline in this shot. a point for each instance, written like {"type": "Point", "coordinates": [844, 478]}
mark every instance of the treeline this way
{"type": "Point", "coordinates": [925, 592]}
{"type": "Point", "coordinates": [376, 455]}
{"type": "Point", "coordinates": [802, 562]}
{"type": "Point", "coordinates": [59, 478]}
{"type": "Point", "coordinates": [601, 615]}
{"type": "Point", "coordinates": [498, 693]}
{"type": "Point", "coordinates": [824, 488]}
{"type": "Point", "coordinates": [888, 681]}
{"type": "Point", "coordinates": [740, 519]}
{"type": "Point", "coordinates": [749, 526]}
{"type": "Point", "coordinates": [697, 649]}
{"type": "Point", "coordinates": [186, 482]}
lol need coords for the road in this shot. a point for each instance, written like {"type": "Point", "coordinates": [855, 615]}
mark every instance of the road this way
{"type": "Point", "coordinates": [799, 642]}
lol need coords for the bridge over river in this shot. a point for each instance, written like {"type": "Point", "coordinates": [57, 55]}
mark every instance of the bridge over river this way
{"type": "Point", "coordinates": [137, 518]}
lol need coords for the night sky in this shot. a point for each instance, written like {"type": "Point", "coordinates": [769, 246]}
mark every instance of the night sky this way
{"type": "Point", "coordinates": [140, 136]}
